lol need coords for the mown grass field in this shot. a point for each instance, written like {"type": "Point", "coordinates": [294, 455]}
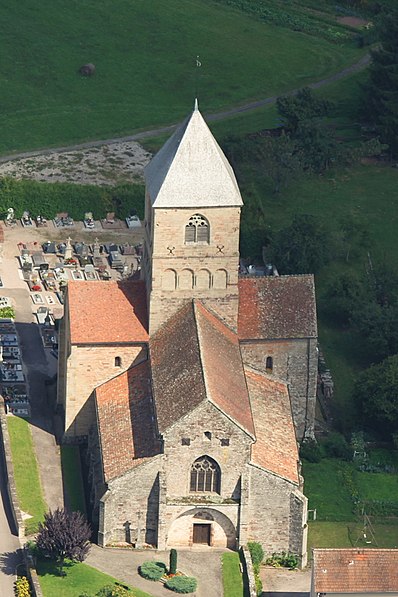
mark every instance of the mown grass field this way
{"type": "Point", "coordinates": [79, 579]}
{"type": "Point", "coordinates": [231, 575]}
{"type": "Point", "coordinates": [26, 472]}
{"type": "Point", "coordinates": [144, 55]}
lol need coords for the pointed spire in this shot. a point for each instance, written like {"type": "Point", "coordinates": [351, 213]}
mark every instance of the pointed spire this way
{"type": "Point", "coordinates": [196, 105]}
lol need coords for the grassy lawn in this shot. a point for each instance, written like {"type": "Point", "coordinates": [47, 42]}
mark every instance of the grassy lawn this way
{"type": "Point", "coordinates": [72, 479]}
{"type": "Point", "coordinates": [342, 534]}
{"type": "Point", "coordinates": [143, 53]}
{"type": "Point", "coordinates": [326, 492]}
{"type": "Point", "coordinates": [27, 479]}
{"type": "Point", "coordinates": [231, 575]}
{"type": "Point", "coordinates": [79, 578]}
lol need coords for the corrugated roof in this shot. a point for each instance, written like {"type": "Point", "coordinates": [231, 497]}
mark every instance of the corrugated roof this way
{"type": "Point", "coordinates": [277, 307]}
{"type": "Point", "coordinates": [126, 421]}
{"type": "Point", "coordinates": [195, 357]}
{"type": "Point", "coordinates": [275, 448]}
{"type": "Point", "coordinates": [355, 570]}
{"type": "Point", "coordinates": [191, 170]}
{"type": "Point", "coordinates": [110, 312]}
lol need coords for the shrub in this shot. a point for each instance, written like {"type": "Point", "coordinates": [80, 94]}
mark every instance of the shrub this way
{"type": "Point", "coordinates": [7, 313]}
{"type": "Point", "coordinates": [22, 587]}
{"type": "Point", "coordinates": [310, 451]}
{"type": "Point", "coordinates": [256, 552]}
{"type": "Point", "coordinates": [114, 591]}
{"type": "Point", "coordinates": [173, 561]}
{"type": "Point", "coordinates": [284, 559]}
{"type": "Point", "coordinates": [152, 570]}
{"type": "Point", "coordinates": [182, 584]}
{"type": "Point", "coordinates": [336, 446]}
{"type": "Point", "coordinates": [259, 586]}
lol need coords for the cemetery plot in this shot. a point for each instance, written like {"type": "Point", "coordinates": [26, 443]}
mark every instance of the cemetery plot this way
{"type": "Point", "coordinates": [10, 366]}
{"type": "Point", "coordinates": [16, 399]}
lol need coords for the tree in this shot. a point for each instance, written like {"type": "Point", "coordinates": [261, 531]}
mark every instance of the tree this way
{"type": "Point", "coordinates": [303, 247]}
{"type": "Point", "coordinates": [377, 394]}
{"type": "Point", "coordinates": [64, 535]}
{"type": "Point", "coordinates": [301, 107]}
{"type": "Point", "coordinates": [381, 92]}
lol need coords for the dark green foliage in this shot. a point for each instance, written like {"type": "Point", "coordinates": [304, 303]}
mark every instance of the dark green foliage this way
{"type": "Point", "coordinates": [48, 199]}
{"type": "Point", "coordinates": [259, 586]}
{"type": "Point", "coordinates": [303, 247]}
{"type": "Point", "coordinates": [173, 561]}
{"type": "Point", "coordinates": [114, 591]}
{"type": "Point", "coordinates": [284, 559]}
{"type": "Point", "coordinates": [336, 446]}
{"type": "Point", "coordinates": [182, 584]}
{"type": "Point", "coordinates": [153, 570]}
{"type": "Point", "coordinates": [310, 451]}
{"type": "Point", "coordinates": [302, 107]}
{"type": "Point", "coordinates": [256, 552]}
{"type": "Point", "coordinates": [342, 295]}
{"type": "Point", "coordinates": [63, 535]}
{"type": "Point", "coordinates": [376, 394]}
{"type": "Point", "coordinates": [381, 92]}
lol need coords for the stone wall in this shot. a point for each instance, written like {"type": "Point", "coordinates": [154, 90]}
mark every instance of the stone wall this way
{"type": "Point", "coordinates": [277, 513]}
{"type": "Point", "coordinates": [9, 473]}
{"type": "Point", "coordinates": [296, 362]}
{"type": "Point", "coordinates": [88, 367]}
{"type": "Point", "coordinates": [176, 271]}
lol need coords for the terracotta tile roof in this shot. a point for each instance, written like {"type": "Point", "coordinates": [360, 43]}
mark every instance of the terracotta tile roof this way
{"type": "Point", "coordinates": [195, 357]}
{"type": "Point", "coordinates": [277, 307]}
{"type": "Point", "coordinates": [355, 570]}
{"type": "Point", "coordinates": [276, 447]}
{"type": "Point", "coordinates": [126, 422]}
{"type": "Point", "coordinates": [107, 312]}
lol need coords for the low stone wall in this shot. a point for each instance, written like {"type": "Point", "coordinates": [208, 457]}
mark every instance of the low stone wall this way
{"type": "Point", "coordinates": [32, 574]}
{"type": "Point", "coordinates": [9, 471]}
{"type": "Point", "coordinates": [248, 571]}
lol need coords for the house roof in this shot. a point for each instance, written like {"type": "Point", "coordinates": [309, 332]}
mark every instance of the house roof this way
{"type": "Point", "coordinates": [191, 170]}
{"type": "Point", "coordinates": [355, 570]}
{"type": "Point", "coordinates": [194, 358]}
{"type": "Point", "coordinates": [275, 448]}
{"type": "Point", "coordinates": [277, 307]}
{"type": "Point", "coordinates": [110, 312]}
{"type": "Point", "coordinates": [126, 421]}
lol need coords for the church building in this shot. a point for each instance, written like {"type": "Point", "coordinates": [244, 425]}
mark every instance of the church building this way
{"type": "Point", "coordinates": [192, 386]}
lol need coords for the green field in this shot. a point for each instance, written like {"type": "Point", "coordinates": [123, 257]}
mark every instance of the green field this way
{"type": "Point", "coordinates": [231, 575]}
{"type": "Point", "coordinates": [79, 578]}
{"type": "Point", "coordinates": [144, 55]}
{"type": "Point", "coordinates": [26, 472]}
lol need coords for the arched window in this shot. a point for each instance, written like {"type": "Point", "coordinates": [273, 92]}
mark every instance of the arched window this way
{"type": "Point", "coordinates": [118, 361]}
{"type": "Point", "coordinates": [197, 230]}
{"type": "Point", "coordinates": [205, 476]}
{"type": "Point", "coordinates": [269, 364]}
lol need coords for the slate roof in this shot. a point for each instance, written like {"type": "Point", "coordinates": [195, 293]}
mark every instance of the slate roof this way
{"type": "Point", "coordinates": [355, 570]}
{"type": "Point", "coordinates": [191, 170]}
{"type": "Point", "coordinates": [110, 312]}
{"type": "Point", "coordinates": [277, 307]}
{"type": "Point", "coordinates": [126, 421]}
{"type": "Point", "coordinates": [195, 357]}
{"type": "Point", "coordinates": [275, 448]}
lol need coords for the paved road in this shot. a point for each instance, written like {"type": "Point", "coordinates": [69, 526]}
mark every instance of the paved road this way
{"type": "Point", "coordinates": [248, 107]}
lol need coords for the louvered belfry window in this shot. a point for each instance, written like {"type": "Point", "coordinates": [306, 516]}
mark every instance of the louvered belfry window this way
{"type": "Point", "coordinates": [205, 476]}
{"type": "Point", "coordinates": [197, 230]}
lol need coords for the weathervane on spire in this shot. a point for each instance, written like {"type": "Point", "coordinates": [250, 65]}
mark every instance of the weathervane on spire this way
{"type": "Point", "coordinates": [198, 65]}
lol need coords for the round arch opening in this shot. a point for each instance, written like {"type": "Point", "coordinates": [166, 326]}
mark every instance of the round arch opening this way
{"type": "Point", "coordinates": [202, 527]}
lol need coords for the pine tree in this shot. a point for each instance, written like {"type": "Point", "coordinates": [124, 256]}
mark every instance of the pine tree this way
{"type": "Point", "coordinates": [381, 92]}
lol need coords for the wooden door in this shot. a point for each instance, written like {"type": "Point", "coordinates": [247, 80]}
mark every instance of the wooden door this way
{"type": "Point", "coordinates": [201, 534]}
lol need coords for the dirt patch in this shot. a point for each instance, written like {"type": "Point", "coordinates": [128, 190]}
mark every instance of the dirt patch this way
{"type": "Point", "coordinates": [110, 164]}
{"type": "Point", "coordinates": [353, 21]}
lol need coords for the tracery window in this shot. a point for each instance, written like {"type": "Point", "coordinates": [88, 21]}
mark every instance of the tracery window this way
{"type": "Point", "coordinates": [197, 230]}
{"type": "Point", "coordinates": [205, 476]}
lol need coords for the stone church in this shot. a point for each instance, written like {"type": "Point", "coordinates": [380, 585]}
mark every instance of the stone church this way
{"type": "Point", "coordinates": [193, 385]}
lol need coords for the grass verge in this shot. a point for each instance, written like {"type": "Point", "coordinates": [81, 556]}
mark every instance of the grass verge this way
{"type": "Point", "coordinates": [231, 575]}
{"type": "Point", "coordinates": [26, 471]}
{"type": "Point", "coordinates": [79, 578]}
{"type": "Point", "coordinates": [72, 479]}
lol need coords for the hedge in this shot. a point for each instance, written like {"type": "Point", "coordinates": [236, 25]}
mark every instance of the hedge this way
{"type": "Point", "coordinates": [152, 570]}
{"type": "Point", "coordinates": [182, 584]}
{"type": "Point", "coordinates": [48, 199]}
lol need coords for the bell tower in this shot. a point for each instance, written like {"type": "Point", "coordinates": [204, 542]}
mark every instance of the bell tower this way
{"type": "Point", "coordinates": [192, 218]}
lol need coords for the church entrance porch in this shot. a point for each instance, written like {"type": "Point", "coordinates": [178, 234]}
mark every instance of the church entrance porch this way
{"type": "Point", "coordinates": [201, 534]}
{"type": "Point", "coordinates": [202, 526]}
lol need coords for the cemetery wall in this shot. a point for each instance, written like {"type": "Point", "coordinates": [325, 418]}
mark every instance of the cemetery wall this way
{"type": "Point", "coordinates": [296, 362]}
{"type": "Point", "coordinates": [88, 367]}
{"type": "Point", "coordinates": [176, 271]}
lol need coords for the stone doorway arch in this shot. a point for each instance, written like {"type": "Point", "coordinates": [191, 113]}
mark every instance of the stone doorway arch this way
{"type": "Point", "coordinates": [202, 526]}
